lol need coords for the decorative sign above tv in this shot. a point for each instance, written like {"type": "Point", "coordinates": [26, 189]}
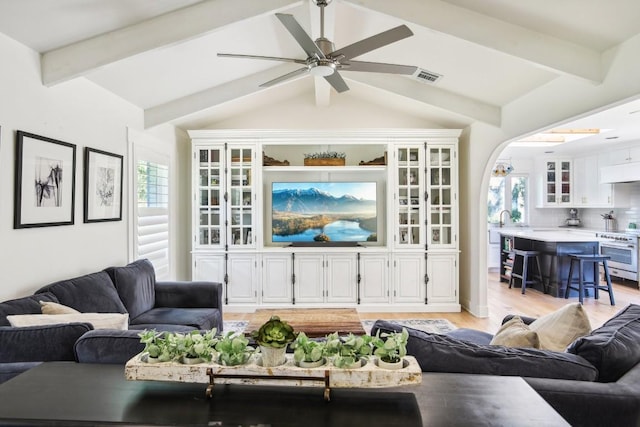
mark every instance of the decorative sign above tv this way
{"type": "Point", "coordinates": [324, 212]}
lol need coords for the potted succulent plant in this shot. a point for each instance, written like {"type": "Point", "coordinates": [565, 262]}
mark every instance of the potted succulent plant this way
{"type": "Point", "coordinates": [350, 351]}
{"type": "Point", "coordinates": [233, 349]}
{"type": "Point", "coordinates": [195, 347]}
{"type": "Point", "coordinates": [157, 347]}
{"type": "Point", "coordinates": [308, 353]}
{"type": "Point", "coordinates": [273, 337]}
{"type": "Point", "coordinates": [391, 347]}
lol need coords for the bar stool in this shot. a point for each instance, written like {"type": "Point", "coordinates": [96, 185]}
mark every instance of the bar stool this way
{"type": "Point", "coordinates": [580, 260]}
{"type": "Point", "coordinates": [523, 275]}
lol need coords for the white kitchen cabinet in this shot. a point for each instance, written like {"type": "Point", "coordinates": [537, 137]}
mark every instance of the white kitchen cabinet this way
{"type": "Point", "coordinates": [555, 183]}
{"type": "Point", "coordinates": [374, 278]}
{"type": "Point", "coordinates": [277, 275]}
{"type": "Point", "coordinates": [442, 280]}
{"type": "Point", "coordinates": [409, 278]}
{"type": "Point", "coordinates": [588, 192]}
{"type": "Point", "coordinates": [624, 155]}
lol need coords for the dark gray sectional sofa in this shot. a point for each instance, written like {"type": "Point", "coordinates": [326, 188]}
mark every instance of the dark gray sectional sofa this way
{"type": "Point", "coordinates": [595, 382]}
{"type": "Point", "coordinates": [132, 289]}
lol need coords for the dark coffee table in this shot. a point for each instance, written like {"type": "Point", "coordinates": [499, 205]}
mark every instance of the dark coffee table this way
{"type": "Point", "coordinates": [72, 394]}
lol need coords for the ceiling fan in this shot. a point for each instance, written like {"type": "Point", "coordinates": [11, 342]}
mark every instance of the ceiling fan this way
{"type": "Point", "coordinates": [324, 60]}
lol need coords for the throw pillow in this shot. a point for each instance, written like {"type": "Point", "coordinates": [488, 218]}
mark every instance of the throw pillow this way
{"type": "Point", "coordinates": [515, 333]}
{"type": "Point", "coordinates": [49, 307]}
{"type": "Point", "coordinates": [562, 327]}
{"type": "Point", "coordinates": [614, 348]}
{"type": "Point", "coordinates": [98, 320]}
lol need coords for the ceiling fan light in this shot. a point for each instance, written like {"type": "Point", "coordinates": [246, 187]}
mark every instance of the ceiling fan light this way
{"type": "Point", "coordinates": [321, 70]}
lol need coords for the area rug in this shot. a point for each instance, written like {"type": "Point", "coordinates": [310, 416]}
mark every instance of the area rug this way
{"type": "Point", "coordinates": [437, 326]}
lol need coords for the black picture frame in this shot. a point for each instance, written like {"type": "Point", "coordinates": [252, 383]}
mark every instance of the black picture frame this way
{"type": "Point", "coordinates": [103, 172]}
{"type": "Point", "coordinates": [45, 180]}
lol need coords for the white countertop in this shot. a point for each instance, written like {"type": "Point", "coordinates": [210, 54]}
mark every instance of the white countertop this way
{"type": "Point", "coordinates": [561, 235]}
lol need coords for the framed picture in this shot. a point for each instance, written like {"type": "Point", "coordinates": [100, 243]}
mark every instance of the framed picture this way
{"type": "Point", "coordinates": [44, 181]}
{"type": "Point", "coordinates": [102, 186]}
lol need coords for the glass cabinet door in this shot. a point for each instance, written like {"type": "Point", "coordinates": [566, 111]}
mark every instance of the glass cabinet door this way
{"type": "Point", "coordinates": [410, 196]}
{"type": "Point", "coordinates": [241, 198]}
{"type": "Point", "coordinates": [210, 196]}
{"type": "Point", "coordinates": [441, 198]}
{"type": "Point", "coordinates": [565, 182]}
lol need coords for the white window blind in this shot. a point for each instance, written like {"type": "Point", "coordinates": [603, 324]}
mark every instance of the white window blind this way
{"type": "Point", "coordinates": [153, 216]}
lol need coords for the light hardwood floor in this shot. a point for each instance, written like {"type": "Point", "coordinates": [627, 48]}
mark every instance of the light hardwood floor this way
{"type": "Point", "coordinates": [503, 301]}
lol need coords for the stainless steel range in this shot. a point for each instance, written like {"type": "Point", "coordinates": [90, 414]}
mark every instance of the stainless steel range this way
{"type": "Point", "coordinates": [623, 250]}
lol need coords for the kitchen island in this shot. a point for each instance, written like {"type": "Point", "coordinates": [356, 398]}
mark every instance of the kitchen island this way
{"type": "Point", "coordinates": [554, 246]}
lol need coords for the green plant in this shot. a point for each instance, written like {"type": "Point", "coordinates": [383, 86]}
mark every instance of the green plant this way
{"type": "Point", "coordinates": [349, 349]}
{"type": "Point", "coordinates": [274, 333]}
{"type": "Point", "coordinates": [157, 345]}
{"type": "Point", "coordinates": [325, 155]}
{"type": "Point", "coordinates": [233, 349]}
{"type": "Point", "coordinates": [195, 344]}
{"type": "Point", "coordinates": [307, 350]}
{"type": "Point", "coordinates": [393, 347]}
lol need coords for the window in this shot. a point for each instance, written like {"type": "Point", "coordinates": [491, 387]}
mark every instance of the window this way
{"type": "Point", "coordinates": [511, 193]}
{"type": "Point", "coordinates": [152, 208]}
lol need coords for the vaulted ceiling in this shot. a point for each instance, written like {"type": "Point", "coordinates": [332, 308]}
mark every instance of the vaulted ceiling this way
{"type": "Point", "coordinates": [161, 55]}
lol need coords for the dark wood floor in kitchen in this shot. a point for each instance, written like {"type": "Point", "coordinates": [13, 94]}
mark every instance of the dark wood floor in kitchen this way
{"type": "Point", "coordinates": [503, 301]}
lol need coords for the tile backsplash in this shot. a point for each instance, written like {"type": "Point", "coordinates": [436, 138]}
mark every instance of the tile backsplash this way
{"type": "Point", "coordinates": [591, 217]}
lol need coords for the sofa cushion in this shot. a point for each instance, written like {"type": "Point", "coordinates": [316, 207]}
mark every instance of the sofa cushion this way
{"type": "Point", "coordinates": [614, 348]}
{"type": "Point", "coordinates": [471, 335]}
{"type": "Point", "coordinates": [26, 305]}
{"type": "Point", "coordinates": [440, 353]}
{"type": "Point", "coordinates": [91, 293]}
{"type": "Point", "coordinates": [107, 346]}
{"type": "Point", "coordinates": [515, 333]}
{"type": "Point", "coordinates": [49, 307]}
{"type": "Point", "coordinates": [562, 327]}
{"type": "Point", "coordinates": [40, 343]}
{"type": "Point", "coordinates": [199, 318]}
{"type": "Point", "coordinates": [135, 284]}
{"type": "Point", "coordinates": [97, 320]}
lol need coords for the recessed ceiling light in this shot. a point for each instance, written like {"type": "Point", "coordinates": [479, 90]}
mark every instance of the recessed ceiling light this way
{"type": "Point", "coordinates": [612, 137]}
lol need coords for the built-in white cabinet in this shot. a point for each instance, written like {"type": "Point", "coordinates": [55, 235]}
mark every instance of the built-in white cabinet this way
{"type": "Point", "coordinates": [242, 279]}
{"type": "Point", "coordinates": [409, 278]}
{"type": "Point", "coordinates": [277, 278]}
{"type": "Point", "coordinates": [555, 183]}
{"type": "Point", "coordinates": [442, 278]}
{"type": "Point", "coordinates": [309, 277]}
{"type": "Point", "coordinates": [408, 255]}
{"type": "Point", "coordinates": [373, 272]}
{"type": "Point", "coordinates": [624, 155]}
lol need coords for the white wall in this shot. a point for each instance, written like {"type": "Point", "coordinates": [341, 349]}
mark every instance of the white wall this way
{"type": "Point", "coordinates": [77, 112]}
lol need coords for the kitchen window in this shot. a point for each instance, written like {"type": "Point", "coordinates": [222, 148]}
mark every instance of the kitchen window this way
{"type": "Point", "coordinates": [510, 192]}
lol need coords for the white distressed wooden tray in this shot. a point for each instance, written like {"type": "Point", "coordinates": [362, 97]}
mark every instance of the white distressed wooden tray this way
{"type": "Point", "coordinates": [288, 374]}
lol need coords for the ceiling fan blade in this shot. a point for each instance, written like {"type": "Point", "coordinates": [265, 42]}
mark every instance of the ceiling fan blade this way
{"type": "Point", "coordinates": [300, 35]}
{"type": "Point", "coordinates": [372, 43]}
{"type": "Point", "coordinates": [378, 67]}
{"type": "Point", "coordinates": [285, 77]}
{"type": "Point", "coordinates": [337, 82]}
{"type": "Point", "coordinates": [269, 58]}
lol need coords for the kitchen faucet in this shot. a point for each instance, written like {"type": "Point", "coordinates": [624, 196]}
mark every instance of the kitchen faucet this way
{"type": "Point", "coordinates": [508, 213]}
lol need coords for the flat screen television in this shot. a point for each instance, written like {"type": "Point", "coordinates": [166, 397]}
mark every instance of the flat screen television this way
{"type": "Point", "coordinates": [324, 212]}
